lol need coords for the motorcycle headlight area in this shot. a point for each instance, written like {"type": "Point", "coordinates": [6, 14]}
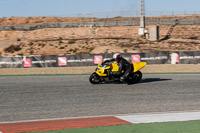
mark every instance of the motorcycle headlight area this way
{"type": "Point", "coordinates": [98, 68]}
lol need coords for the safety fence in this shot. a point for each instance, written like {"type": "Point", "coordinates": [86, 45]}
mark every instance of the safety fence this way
{"type": "Point", "coordinates": [96, 24]}
{"type": "Point", "coordinates": [164, 57]}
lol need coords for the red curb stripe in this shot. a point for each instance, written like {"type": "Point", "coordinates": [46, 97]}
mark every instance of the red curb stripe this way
{"type": "Point", "coordinates": [60, 124]}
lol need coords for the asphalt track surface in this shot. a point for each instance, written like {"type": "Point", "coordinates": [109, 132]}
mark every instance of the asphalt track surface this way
{"type": "Point", "coordinates": [48, 97]}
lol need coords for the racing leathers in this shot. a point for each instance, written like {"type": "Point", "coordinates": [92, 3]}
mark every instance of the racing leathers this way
{"type": "Point", "coordinates": [123, 64]}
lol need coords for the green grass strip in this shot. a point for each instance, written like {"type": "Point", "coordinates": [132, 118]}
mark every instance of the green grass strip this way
{"type": "Point", "coordinates": [165, 127]}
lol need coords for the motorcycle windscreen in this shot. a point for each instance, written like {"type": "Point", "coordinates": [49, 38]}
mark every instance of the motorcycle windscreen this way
{"type": "Point", "coordinates": [138, 65]}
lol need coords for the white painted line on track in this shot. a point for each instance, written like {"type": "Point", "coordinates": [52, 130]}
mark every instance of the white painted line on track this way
{"type": "Point", "coordinates": [167, 117]}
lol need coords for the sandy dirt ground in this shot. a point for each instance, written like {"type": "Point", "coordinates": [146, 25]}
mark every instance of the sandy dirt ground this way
{"type": "Point", "coordinates": [96, 40]}
{"type": "Point", "coordinates": [165, 68]}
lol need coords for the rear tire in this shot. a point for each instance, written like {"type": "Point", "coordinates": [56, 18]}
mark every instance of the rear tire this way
{"type": "Point", "coordinates": [94, 78]}
{"type": "Point", "coordinates": [135, 78]}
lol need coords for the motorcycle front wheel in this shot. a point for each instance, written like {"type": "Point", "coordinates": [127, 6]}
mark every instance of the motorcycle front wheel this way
{"type": "Point", "coordinates": [94, 78]}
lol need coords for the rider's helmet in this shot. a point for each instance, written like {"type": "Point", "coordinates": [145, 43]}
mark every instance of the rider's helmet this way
{"type": "Point", "coordinates": [117, 57]}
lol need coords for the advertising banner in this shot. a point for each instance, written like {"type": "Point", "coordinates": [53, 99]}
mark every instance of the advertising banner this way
{"type": "Point", "coordinates": [164, 57]}
{"type": "Point", "coordinates": [80, 60]}
{"type": "Point", "coordinates": [189, 57]}
{"type": "Point", "coordinates": [98, 59]}
{"type": "Point", "coordinates": [27, 63]}
{"type": "Point", "coordinates": [62, 61]}
{"type": "Point", "coordinates": [135, 58]}
{"type": "Point", "coordinates": [155, 57]}
{"type": "Point", "coordinates": [11, 62]}
{"type": "Point", "coordinates": [43, 61]}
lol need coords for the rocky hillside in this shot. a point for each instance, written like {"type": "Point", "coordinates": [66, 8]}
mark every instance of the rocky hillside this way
{"type": "Point", "coordinates": [94, 40]}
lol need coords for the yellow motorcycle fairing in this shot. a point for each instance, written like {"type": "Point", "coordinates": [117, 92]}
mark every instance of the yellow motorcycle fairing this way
{"type": "Point", "coordinates": [138, 65]}
{"type": "Point", "coordinates": [100, 70]}
{"type": "Point", "coordinates": [114, 68]}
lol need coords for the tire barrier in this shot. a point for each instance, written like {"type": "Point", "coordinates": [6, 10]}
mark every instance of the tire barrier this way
{"type": "Point", "coordinates": [163, 57]}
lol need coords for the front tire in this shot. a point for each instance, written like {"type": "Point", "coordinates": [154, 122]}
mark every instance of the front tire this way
{"type": "Point", "coordinates": [94, 78]}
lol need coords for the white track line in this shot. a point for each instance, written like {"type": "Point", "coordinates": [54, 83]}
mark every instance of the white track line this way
{"type": "Point", "coordinates": [167, 117]}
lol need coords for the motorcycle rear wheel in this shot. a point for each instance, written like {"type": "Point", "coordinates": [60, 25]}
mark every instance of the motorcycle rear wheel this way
{"type": "Point", "coordinates": [135, 78]}
{"type": "Point", "coordinates": [94, 78]}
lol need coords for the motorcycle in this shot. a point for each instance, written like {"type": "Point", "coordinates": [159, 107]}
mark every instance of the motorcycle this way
{"type": "Point", "coordinates": [101, 74]}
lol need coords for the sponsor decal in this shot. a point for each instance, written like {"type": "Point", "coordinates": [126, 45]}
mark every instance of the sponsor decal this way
{"type": "Point", "coordinates": [10, 63]}
{"type": "Point", "coordinates": [27, 63]}
{"type": "Point", "coordinates": [44, 62]}
{"type": "Point", "coordinates": [135, 58]}
{"type": "Point", "coordinates": [62, 61]}
{"type": "Point", "coordinates": [189, 57]}
{"type": "Point", "coordinates": [81, 60]}
{"type": "Point", "coordinates": [155, 58]}
{"type": "Point", "coordinates": [98, 59]}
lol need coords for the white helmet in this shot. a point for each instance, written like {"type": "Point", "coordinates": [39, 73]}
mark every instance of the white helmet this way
{"type": "Point", "coordinates": [117, 56]}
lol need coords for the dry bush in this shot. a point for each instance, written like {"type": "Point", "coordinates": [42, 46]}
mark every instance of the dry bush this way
{"type": "Point", "coordinates": [12, 48]}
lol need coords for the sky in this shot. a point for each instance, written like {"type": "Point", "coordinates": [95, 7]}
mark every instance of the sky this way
{"type": "Point", "coordinates": [95, 8]}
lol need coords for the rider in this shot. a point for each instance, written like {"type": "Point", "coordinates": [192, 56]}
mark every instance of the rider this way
{"type": "Point", "coordinates": [123, 64]}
